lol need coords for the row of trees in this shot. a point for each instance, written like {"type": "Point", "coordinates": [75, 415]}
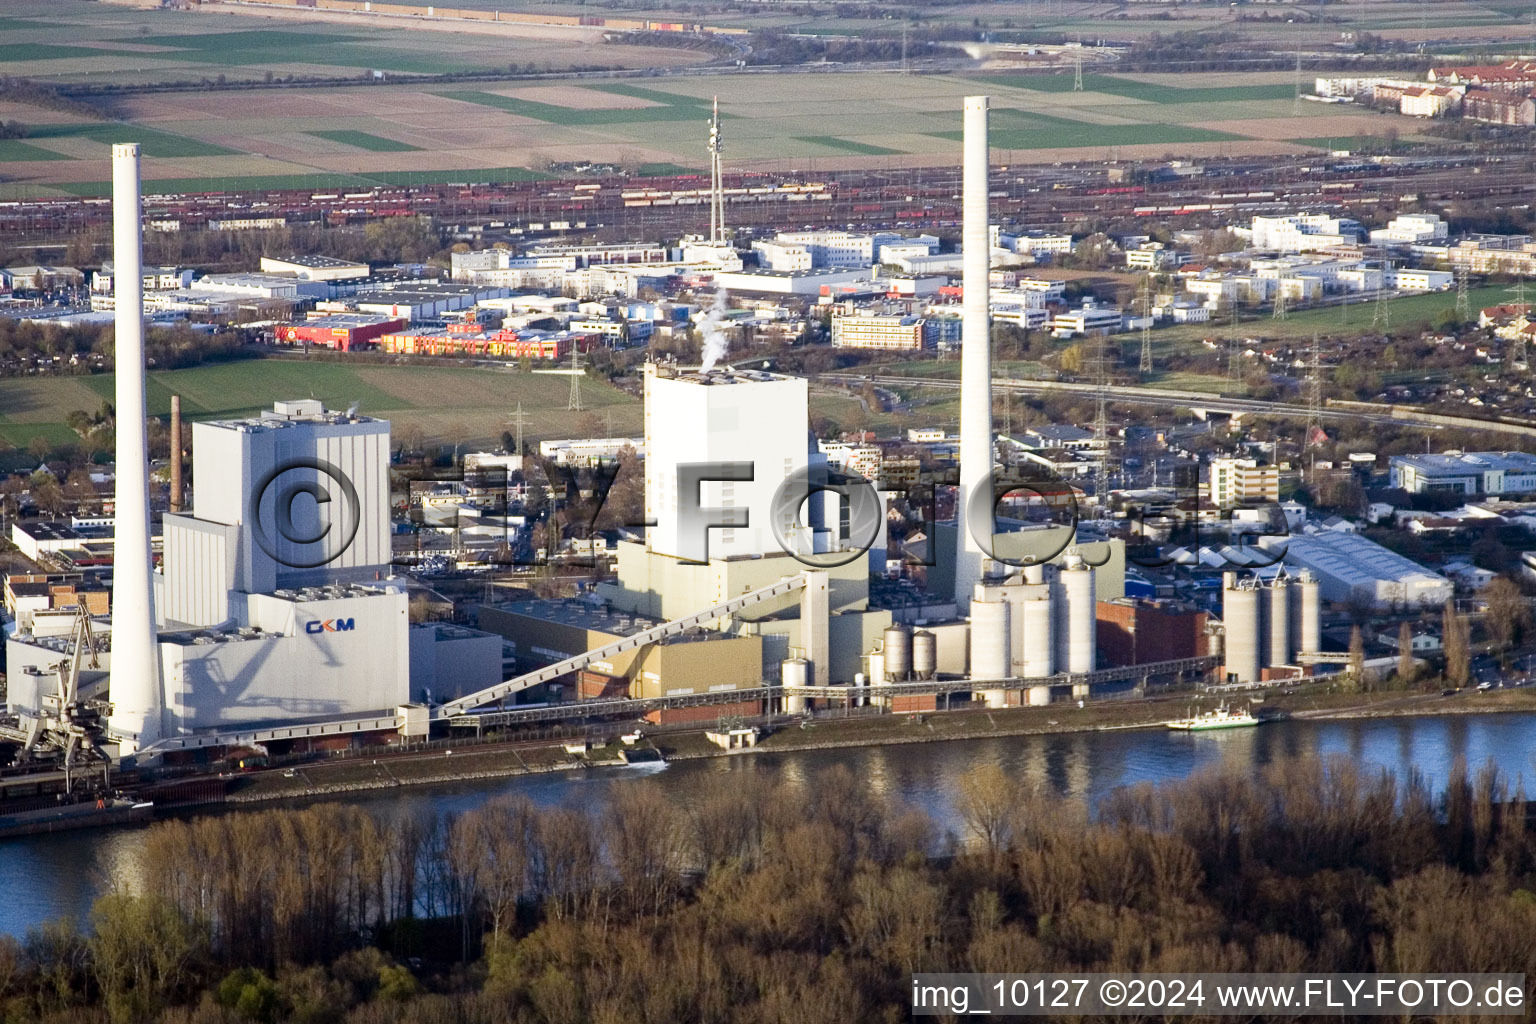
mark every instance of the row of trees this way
{"type": "Point", "coordinates": [810, 898]}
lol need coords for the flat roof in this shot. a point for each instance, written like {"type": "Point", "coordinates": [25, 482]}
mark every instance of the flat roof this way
{"type": "Point", "coordinates": [1463, 463]}
{"type": "Point", "coordinates": [315, 262]}
{"type": "Point", "coordinates": [43, 529]}
{"type": "Point", "coordinates": [723, 376]}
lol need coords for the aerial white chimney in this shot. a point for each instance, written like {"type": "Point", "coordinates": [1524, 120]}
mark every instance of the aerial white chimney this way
{"type": "Point", "coordinates": [975, 354]}
{"type": "Point", "coordinates": [135, 677]}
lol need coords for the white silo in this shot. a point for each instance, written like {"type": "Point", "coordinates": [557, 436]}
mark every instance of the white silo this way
{"type": "Point", "coordinates": [1309, 599]}
{"type": "Point", "coordinates": [925, 655]}
{"type": "Point", "coordinates": [1039, 696]}
{"type": "Point", "coordinates": [875, 660]}
{"type": "Point", "coordinates": [1039, 651]}
{"type": "Point", "coordinates": [1075, 616]}
{"type": "Point", "coordinates": [989, 643]}
{"type": "Point", "coordinates": [989, 636]}
{"type": "Point", "coordinates": [898, 652]}
{"type": "Point", "coordinates": [1034, 573]}
{"type": "Point", "coordinates": [1240, 616]}
{"type": "Point", "coordinates": [1278, 606]}
{"type": "Point", "coordinates": [134, 682]}
{"type": "Point", "coordinates": [796, 674]}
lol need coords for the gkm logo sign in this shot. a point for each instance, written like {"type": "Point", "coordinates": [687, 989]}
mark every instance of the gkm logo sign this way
{"type": "Point", "coordinates": [330, 626]}
{"type": "Point", "coordinates": [304, 513]}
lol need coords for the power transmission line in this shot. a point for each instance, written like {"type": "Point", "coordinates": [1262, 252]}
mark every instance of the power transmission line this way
{"type": "Point", "coordinates": [1314, 396]}
{"type": "Point", "coordinates": [519, 420]}
{"type": "Point", "coordinates": [1146, 324]}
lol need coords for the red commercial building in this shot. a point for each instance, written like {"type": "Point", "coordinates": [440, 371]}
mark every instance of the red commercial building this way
{"type": "Point", "coordinates": [470, 339]}
{"type": "Point", "coordinates": [344, 332]}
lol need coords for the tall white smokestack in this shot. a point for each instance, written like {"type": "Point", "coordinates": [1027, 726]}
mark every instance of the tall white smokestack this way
{"type": "Point", "coordinates": [975, 353]}
{"type": "Point", "coordinates": [135, 677]}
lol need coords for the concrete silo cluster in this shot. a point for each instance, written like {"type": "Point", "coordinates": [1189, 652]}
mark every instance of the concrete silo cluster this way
{"type": "Point", "coordinates": [1268, 623]}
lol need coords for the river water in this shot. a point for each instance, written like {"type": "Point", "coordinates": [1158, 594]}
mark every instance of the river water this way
{"type": "Point", "coordinates": [45, 877]}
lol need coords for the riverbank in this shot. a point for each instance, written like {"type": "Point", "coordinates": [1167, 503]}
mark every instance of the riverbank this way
{"type": "Point", "coordinates": [337, 778]}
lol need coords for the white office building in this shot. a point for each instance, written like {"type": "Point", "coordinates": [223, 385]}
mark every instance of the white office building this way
{"type": "Point", "coordinates": [1453, 472]}
{"type": "Point", "coordinates": [1412, 229]}
{"type": "Point", "coordinates": [1304, 232]}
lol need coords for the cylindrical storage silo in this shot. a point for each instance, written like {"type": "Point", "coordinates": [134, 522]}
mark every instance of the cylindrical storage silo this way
{"type": "Point", "coordinates": [989, 640]}
{"type": "Point", "coordinates": [1034, 573]}
{"type": "Point", "coordinates": [1240, 616]}
{"type": "Point", "coordinates": [860, 689]}
{"type": "Point", "coordinates": [877, 670]}
{"type": "Point", "coordinates": [1310, 624]}
{"type": "Point", "coordinates": [1039, 696]}
{"type": "Point", "coordinates": [1039, 660]}
{"type": "Point", "coordinates": [1277, 597]}
{"type": "Point", "coordinates": [989, 649]}
{"type": "Point", "coordinates": [1080, 616]}
{"type": "Point", "coordinates": [898, 653]}
{"type": "Point", "coordinates": [796, 673]}
{"type": "Point", "coordinates": [925, 655]}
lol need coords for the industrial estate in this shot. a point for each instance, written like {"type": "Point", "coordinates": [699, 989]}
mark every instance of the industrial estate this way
{"type": "Point", "coordinates": [799, 379]}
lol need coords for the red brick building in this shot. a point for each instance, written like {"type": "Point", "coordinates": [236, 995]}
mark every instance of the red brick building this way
{"type": "Point", "coordinates": [1136, 631]}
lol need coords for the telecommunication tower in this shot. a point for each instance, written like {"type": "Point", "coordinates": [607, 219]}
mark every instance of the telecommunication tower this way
{"type": "Point", "coordinates": [716, 181]}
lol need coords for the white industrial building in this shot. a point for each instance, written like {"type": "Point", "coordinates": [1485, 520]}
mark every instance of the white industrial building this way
{"type": "Point", "coordinates": [796, 282]}
{"type": "Point", "coordinates": [1491, 473]}
{"type": "Point", "coordinates": [274, 600]}
{"type": "Point", "coordinates": [1412, 229]}
{"type": "Point", "coordinates": [315, 268]}
{"type": "Point", "coordinates": [1302, 232]}
{"type": "Point", "coordinates": [722, 416]}
{"type": "Point", "coordinates": [832, 248]}
{"type": "Point", "coordinates": [1351, 567]}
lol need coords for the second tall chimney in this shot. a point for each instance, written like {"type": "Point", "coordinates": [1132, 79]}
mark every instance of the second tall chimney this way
{"type": "Point", "coordinates": [974, 498]}
{"type": "Point", "coordinates": [134, 680]}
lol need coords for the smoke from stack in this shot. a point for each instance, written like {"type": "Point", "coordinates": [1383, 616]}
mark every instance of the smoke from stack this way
{"type": "Point", "coordinates": [713, 331]}
{"type": "Point", "coordinates": [975, 354]}
{"type": "Point", "coordinates": [134, 684]}
{"type": "Point", "coordinates": [176, 453]}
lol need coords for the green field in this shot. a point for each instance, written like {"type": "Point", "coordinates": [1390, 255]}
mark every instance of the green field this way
{"type": "Point", "coordinates": [576, 117]}
{"type": "Point", "coordinates": [152, 142]}
{"type": "Point", "coordinates": [1112, 85]}
{"type": "Point", "coordinates": [15, 150]}
{"type": "Point", "coordinates": [1409, 311]}
{"type": "Point", "coordinates": [847, 145]}
{"type": "Point", "coordinates": [362, 140]}
{"type": "Point", "coordinates": [448, 403]}
{"type": "Point", "coordinates": [1082, 134]}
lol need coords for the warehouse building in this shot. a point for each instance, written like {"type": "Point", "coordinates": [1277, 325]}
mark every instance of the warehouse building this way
{"type": "Point", "coordinates": [807, 283]}
{"type": "Point", "coordinates": [315, 268]}
{"type": "Point", "coordinates": [343, 332]}
{"type": "Point", "coordinates": [1351, 568]}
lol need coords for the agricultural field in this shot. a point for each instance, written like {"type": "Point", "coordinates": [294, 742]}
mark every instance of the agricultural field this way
{"type": "Point", "coordinates": [449, 404]}
{"type": "Point", "coordinates": [356, 136]}
{"type": "Point", "coordinates": [70, 41]}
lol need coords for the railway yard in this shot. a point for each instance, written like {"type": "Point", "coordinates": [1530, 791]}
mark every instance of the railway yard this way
{"type": "Point", "coordinates": [617, 206]}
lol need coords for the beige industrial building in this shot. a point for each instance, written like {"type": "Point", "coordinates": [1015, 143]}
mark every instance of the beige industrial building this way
{"type": "Point", "coordinates": [699, 661]}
